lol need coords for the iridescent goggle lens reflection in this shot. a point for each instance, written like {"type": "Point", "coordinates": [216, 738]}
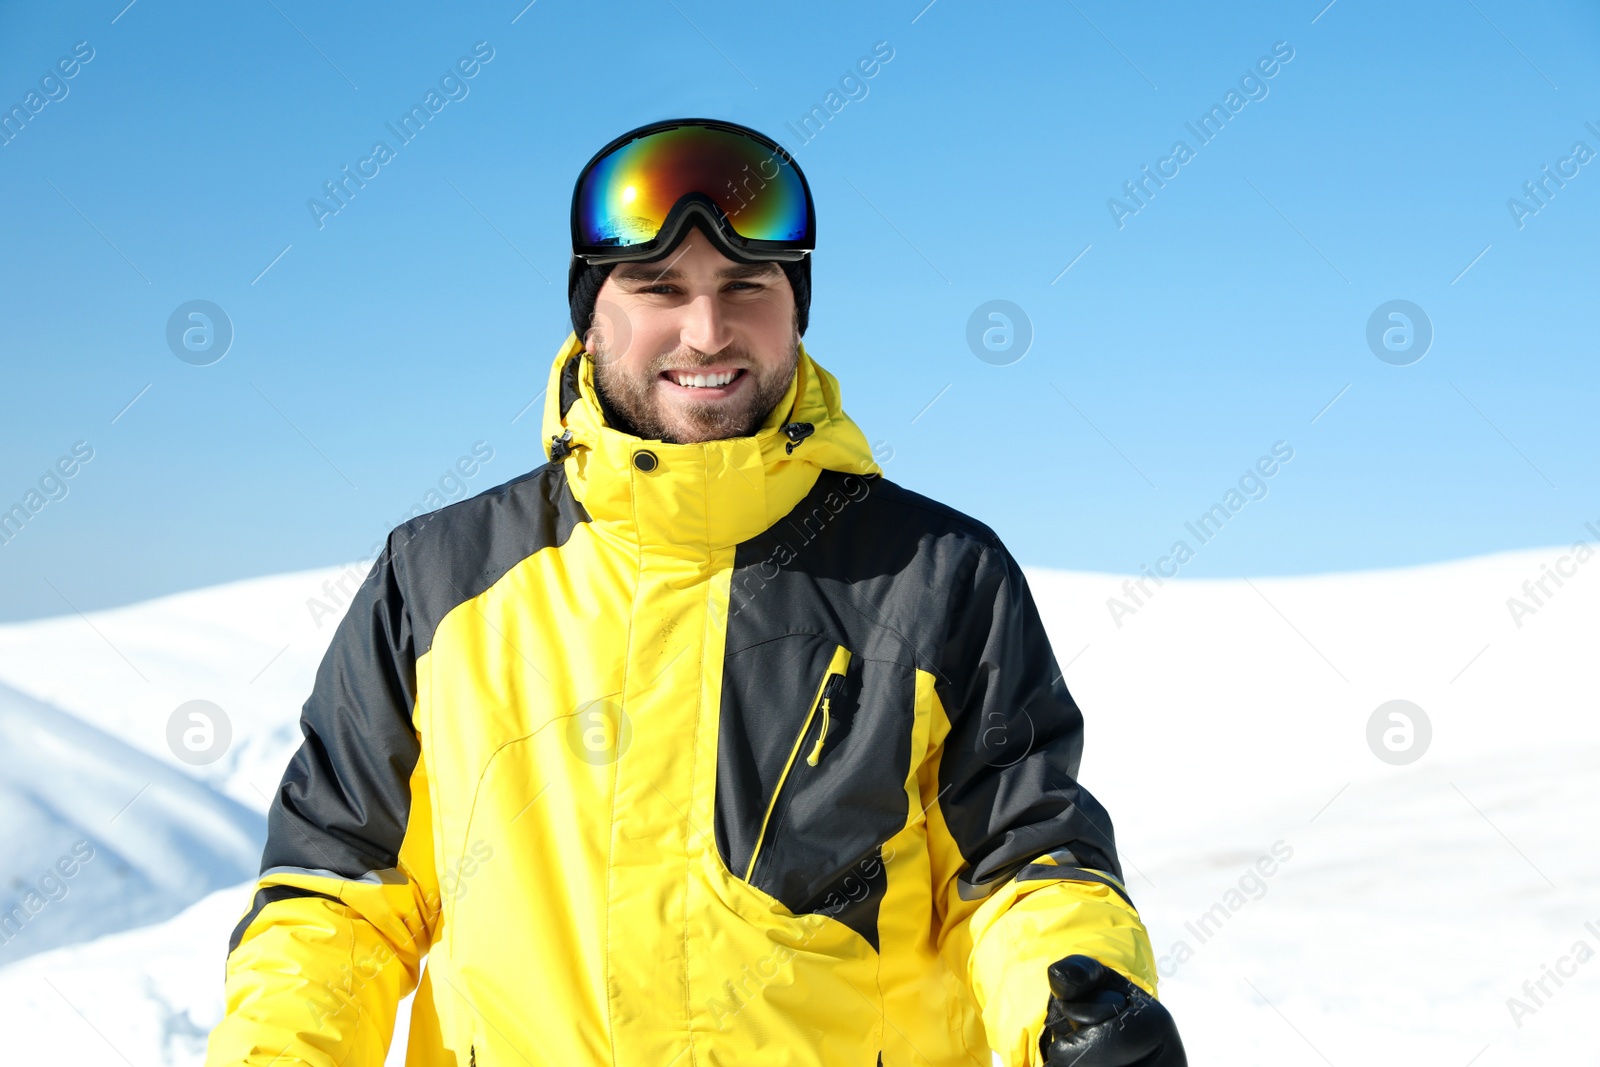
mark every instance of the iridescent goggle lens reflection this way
{"type": "Point", "coordinates": [625, 197]}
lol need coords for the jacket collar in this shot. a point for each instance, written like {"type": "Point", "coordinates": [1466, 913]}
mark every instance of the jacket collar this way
{"type": "Point", "coordinates": [706, 496]}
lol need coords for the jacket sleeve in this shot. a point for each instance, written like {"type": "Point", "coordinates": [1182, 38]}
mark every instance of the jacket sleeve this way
{"type": "Point", "coordinates": [347, 896]}
{"type": "Point", "coordinates": [1023, 862]}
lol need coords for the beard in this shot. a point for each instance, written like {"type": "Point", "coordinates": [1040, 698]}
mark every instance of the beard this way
{"type": "Point", "coordinates": [632, 399]}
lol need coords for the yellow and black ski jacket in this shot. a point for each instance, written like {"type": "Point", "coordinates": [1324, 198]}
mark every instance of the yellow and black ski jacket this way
{"type": "Point", "coordinates": [727, 753]}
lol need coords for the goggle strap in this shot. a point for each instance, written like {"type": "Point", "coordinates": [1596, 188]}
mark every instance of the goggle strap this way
{"type": "Point", "coordinates": [677, 221]}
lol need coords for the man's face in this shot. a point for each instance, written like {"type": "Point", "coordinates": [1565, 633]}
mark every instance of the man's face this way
{"type": "Point", "coordinates": [695, 314]}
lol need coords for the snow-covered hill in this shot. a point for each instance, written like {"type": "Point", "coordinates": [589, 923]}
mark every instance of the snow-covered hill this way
{"type": "Point", "coordinates": [1313, 903]}
{"type": "Point", "coordinates": [97, 837]}
{"type": "Point", "coordinates": [250, 647]}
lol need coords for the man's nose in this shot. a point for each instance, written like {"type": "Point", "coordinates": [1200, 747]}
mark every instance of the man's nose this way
{"type": "Point", "coordinates": [705, 325]}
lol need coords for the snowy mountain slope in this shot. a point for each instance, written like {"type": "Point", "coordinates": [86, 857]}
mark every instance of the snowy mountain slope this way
{"type": "Point", "coordinates": [250, 647]}
{"type": "Point", "coordinates": [97, 837]}
{"type": "Point", "coordinates": [1406, 915]}
{"type": "Point", "coordinates": [1224, 718]}
{"type": "Point", "coordinates": [148, 996]}
{"type": "Point", "coordinates": [1260, 688]}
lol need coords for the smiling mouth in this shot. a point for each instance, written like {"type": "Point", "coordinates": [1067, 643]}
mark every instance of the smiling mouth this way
{"type": "Point", "coordinates": [706, 382]}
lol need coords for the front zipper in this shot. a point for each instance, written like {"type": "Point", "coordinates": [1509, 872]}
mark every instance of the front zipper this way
{"type": "Point", "coordinates": [826, 690]}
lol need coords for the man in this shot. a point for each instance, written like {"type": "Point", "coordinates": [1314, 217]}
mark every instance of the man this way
{"type": "Point", "coordinates": [703, 743]}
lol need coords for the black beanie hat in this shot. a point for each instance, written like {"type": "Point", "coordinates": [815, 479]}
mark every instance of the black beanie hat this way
{"type": "Point", "coordinates": [584, 282]}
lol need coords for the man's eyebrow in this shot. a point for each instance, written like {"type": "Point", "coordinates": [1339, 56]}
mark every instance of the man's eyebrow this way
{"type": "Point", "coordinates": [644, 273]}
{"type": "Point", "coordinates": [741, 271]}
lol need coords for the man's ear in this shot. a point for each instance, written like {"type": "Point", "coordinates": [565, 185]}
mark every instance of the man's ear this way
{"type": "Point", "coordinates": [591, 336]}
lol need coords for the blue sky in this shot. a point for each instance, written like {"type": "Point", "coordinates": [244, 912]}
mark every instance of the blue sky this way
{"type": "Point", "coordinates": [1172, 346]}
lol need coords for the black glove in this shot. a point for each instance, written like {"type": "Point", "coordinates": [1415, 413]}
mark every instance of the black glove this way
{"type": "Point", "coordinates": [1097, 1018]}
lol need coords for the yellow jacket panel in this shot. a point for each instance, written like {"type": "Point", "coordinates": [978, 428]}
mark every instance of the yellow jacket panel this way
{"type": "Point", "coordinates": [744, 756]}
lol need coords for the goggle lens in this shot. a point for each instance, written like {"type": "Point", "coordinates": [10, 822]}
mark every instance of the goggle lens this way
{"type": "Point", "coordinates": [624, 197]}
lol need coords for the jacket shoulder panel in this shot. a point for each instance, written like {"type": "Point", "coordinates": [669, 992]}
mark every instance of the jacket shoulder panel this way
{"type": "Point", "coordinates": [936, 517]}
{"type": "Point", "coordinates": [447, 557]}
{"type": "Point", "coordinates": [862, 558]}
{"type": "Point", "coordinates": [344, 803]}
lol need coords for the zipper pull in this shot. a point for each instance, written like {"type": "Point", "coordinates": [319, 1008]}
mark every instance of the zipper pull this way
{"type": "Point", "coordinates": [816, 752]}
{"type": "Point", "coordinates": [830, 685]}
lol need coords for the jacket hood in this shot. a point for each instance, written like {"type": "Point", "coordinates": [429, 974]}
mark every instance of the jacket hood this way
{"type": "Point", "coordinates": [712, 493]}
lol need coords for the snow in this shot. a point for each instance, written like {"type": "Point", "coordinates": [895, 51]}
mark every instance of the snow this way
{"type": "Point", "coordinates": [99, 837]}
{"type": "Point", "coordinates": [1404, 907]}
{"type": "Point", "coordinates": [1225, 716]}
{"type": "Point", "coordinates": [148, 996]}
{"type": "Point", "coordinates": [250, 647]}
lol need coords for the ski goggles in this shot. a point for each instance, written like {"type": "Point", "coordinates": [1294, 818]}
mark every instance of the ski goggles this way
{"type": "Point", "coordinates": [633, 199]}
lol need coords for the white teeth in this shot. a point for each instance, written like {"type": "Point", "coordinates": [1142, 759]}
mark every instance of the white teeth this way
{"type": "Point", "coordinates": [702, 381]}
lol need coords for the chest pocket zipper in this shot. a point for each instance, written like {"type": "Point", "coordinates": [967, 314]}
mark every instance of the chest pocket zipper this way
{"type": "Point", "coordinates": [826, 690]}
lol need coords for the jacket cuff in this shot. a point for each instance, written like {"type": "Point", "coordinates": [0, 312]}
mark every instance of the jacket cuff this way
{"type": "Point", "coordinates": [1028, 925]}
